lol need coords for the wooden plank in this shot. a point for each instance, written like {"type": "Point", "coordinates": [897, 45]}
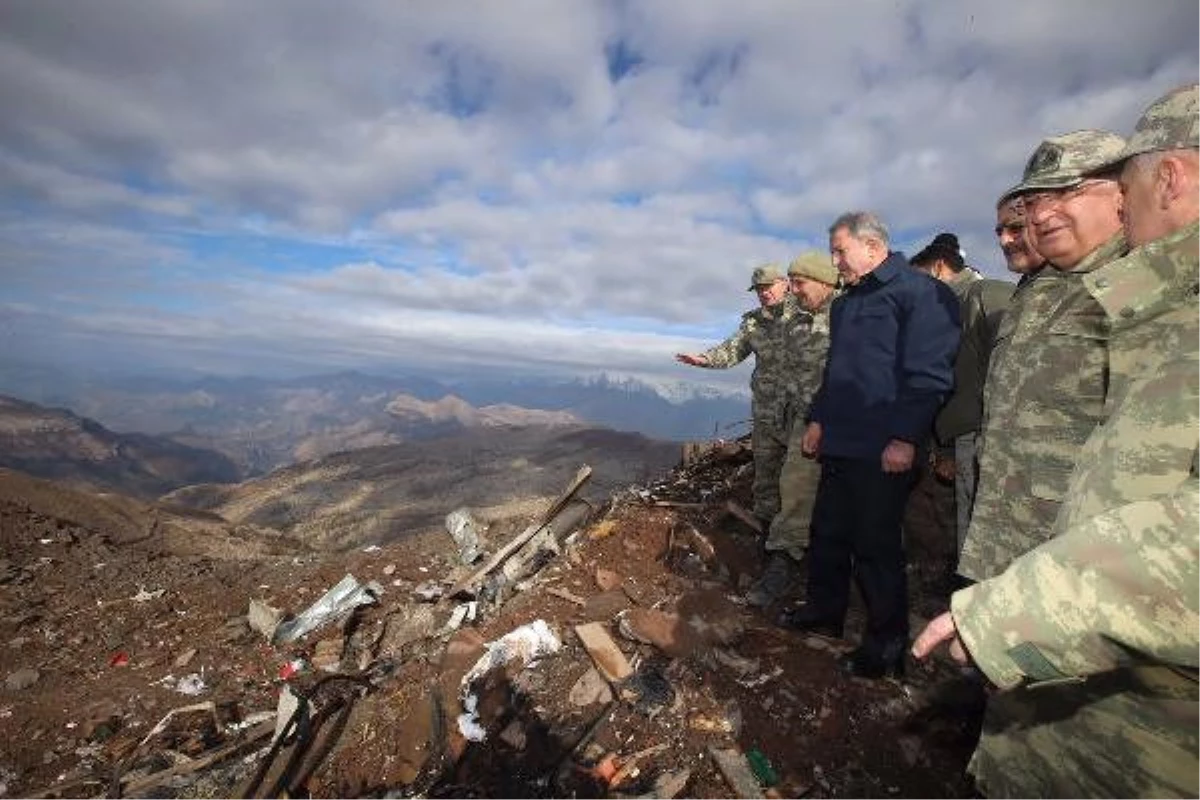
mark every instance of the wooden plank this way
{"type": "Point", "coordinates": [604, 651]}
{"type": "Point", "coordinates": [566, 595]}
{"type": "Point", "coordinates": [503, 553]}
{"type": "Point", "coordinates": [262, 731]}
{"type": "Point", "coordinates": [580, 478]}
{"type": "Point", "coordinates": [737, 772]}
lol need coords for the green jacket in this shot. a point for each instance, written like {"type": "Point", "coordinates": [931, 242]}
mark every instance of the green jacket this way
{"type": "Point", "coordinates": [1102, 622]}
{"type": "Point", "coordinates": [983, 303]}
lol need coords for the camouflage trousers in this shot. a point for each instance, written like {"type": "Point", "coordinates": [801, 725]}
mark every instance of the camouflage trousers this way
{"type": "Point", "coordinates": [769, 442]}
{"type": "Point", "coordinates": [798, 479]}
{"type": "Point", "coordinates": [1113, 735]}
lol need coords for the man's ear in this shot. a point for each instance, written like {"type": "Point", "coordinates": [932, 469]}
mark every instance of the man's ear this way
{"type": "Point", "coordinates": [1169, 179]}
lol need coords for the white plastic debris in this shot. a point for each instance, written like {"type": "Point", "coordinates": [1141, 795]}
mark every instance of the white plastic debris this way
{"type": "Point", "coordinates": [456, 618]}
{"type": "Point", "coordinates": [347, 595]}
{"type": "Point", "coordinates": [464, 530]}
{"type": "Point", "coordinates": [192, 684]}
{"type": "Point", "coordinates": [526, 643]}
{"type": "Point", "coordinates": [142, 596]}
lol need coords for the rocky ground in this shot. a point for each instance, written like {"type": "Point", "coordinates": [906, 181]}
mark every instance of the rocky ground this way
{"type": "Point", "coordinates": [131, 666]}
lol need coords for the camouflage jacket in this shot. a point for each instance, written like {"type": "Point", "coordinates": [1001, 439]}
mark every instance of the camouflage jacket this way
{"type": "Point", "coordinates": [808, 361]}
{"type": "Point", "coordinates": [1113, 596]}
{"type": "Point", "coordinates": [1044, 394]}
{"type": "Point", "coordinates": [774, 335]}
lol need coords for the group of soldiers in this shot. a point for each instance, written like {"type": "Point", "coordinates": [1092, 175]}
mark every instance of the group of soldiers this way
{"type": "Point", "coordinates": [1064, 413]}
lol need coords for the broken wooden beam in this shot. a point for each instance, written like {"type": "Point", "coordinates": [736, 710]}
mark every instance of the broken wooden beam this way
{"type": "Point", "coordinates": [604, 651]}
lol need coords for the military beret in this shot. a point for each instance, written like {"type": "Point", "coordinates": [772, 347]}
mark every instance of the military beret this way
{"type": "Point", "coordinates": [815, 266]}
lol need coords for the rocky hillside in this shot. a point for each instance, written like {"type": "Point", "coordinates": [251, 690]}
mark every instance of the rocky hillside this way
{"type": "Point", "coordinates": [617, 661]}
{"type": "Point", "coordinates": [376, 495]}
{"type": "Point", "coordinates": [55, 443]}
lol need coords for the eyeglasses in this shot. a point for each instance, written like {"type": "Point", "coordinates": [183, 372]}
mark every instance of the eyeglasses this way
{"type": "Point", "coordinates": [1036, 200]}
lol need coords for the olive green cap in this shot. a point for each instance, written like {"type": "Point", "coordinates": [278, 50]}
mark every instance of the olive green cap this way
{"type": "Point", "coordinates": [765, 276]}
{"type": "Point", "coordinates": [1061, 162]}
{"type": "Point", "coordinates": [814, 265]}
{"type": "Point", "coordinates": [1170, 123]}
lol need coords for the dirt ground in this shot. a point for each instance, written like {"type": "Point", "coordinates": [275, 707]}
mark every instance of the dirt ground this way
{"type": "Point", "coordinates": [101, 640]}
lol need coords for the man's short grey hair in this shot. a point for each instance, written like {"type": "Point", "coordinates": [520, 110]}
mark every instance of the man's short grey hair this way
{"type": "Point", "coordinates": [861, 225]}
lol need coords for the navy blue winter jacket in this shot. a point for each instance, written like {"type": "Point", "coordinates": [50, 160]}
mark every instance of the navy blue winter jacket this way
{"type": "Point", "coordinates": [893, 337]}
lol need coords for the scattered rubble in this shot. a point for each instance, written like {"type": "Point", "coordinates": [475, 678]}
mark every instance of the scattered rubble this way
{"type": "Point", "coordinates": [599, 652]}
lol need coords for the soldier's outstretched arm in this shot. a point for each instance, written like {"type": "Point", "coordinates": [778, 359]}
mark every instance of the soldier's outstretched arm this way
{"type": "Point", "coordinates": [1117, 589]}
{"type": "Point", "coordinates": [730, 352]}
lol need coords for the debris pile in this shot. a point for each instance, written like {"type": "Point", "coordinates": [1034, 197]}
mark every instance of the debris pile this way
{"type": "Point", "coordinates": [597, 652]}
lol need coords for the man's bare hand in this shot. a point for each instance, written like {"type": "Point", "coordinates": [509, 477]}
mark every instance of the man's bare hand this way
{"type": "Point", "coordinates": [940, 629]}
{"type": "Point", "coordinates": [898, 456]}
{"type": "Point", "coordinates": [810, 444]}
{"type": "Point", "coordinates": [944, 468]}
{"type": "Point", "coordinates": [693, 360]}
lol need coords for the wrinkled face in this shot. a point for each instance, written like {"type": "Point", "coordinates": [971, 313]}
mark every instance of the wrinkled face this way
{"type": "Point", "coordinates": [1141, 200]}
{"type": "Point", "coordinates": [1013, 235]}
{"type": "Point", "coordinates": [854, 257]}
{"type": "Point", "coordinates": [1068, 224]}
{"type": "Point", "coordinates": [810, 293]}
{"type": "Point", "coordinates": [771, 293]}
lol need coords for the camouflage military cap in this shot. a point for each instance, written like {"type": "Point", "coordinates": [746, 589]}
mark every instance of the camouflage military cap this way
{"type": "Point", "coordinates": [815, 266]}
{"type": "Point", "coordinates": [765, 276]}
{"type": "Point", "coordinates": [1170, 123]}
{"type": "Point", "coordinates": [1061, 162]}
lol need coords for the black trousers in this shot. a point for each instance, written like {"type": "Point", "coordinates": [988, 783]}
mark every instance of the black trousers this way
{"type": "Point", "coordinates": [856, 532]}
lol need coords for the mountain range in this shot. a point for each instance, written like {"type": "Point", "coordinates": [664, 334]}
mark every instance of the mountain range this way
{"type": "Point", "coordinates": [262, 424]}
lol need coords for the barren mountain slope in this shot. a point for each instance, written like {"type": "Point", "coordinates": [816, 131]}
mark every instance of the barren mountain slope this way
{"type": "Point", "coordinates": [55, 443]}
{"type": "Point", "coordinates": [381, 494]}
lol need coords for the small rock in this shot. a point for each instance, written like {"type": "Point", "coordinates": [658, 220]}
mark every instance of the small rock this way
{"type": "Point", "coordinates": [263, 618]}
{"type": "Point", "coordinates": [670, 784]}
{"type": "Point", "coordinates": [514, 735]}
{"type": "Point", "coordinates": [327, 655]}
{"type": "Point", "coordinates": [607, 580]}
{"type": "Point", "coordinates": [590, 688]}
{"type": "Point", "coordinates": [429, 591]}
{"type": "Point", "coordinates": [21, 679]}
{"type": "Point", "coordinates": [389, 569]}
{"type": "Point", "coordinates": [606, 605]}
{"type": "Point", "coordinates": [185, 657]}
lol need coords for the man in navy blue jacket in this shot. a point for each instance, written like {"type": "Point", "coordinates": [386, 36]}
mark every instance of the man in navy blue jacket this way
{"type": "Point", "coordinates": [893, 336]}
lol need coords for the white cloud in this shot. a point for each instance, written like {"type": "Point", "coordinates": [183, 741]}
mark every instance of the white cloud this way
{"type": "Point", "coordinates": [371, 180]}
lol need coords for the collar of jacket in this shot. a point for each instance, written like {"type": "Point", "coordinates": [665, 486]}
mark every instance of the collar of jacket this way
{"type": "Point", "coordinates": [1154, 278]}
{"type": "Point", "coordinates": [1111, 250]}
{"type": "Point", "coordinates": [886, 271]}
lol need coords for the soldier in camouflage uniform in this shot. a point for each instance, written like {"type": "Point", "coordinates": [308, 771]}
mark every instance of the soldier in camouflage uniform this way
{"type": "Point", "coordinates": [813, 281]}
{"type": "Point", "coordinates": [1046, 383]}
{"type": "Point", "coordinates": [1095, 633]}
{"type": "Point", "coordinates": [770, 333]}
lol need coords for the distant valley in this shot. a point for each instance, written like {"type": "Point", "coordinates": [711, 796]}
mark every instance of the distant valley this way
{"type": "Point", "coordinates": [262, 424]}
{"type": "Point", "coordinates": [502, 462]}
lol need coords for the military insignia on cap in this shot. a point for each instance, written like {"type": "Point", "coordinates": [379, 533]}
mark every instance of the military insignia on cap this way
{"type": "Point", "coordinates": [1045, 159]}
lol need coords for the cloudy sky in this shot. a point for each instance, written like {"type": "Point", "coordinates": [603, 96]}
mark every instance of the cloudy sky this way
{"type": "Point", "coordinates": [563, 187]}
